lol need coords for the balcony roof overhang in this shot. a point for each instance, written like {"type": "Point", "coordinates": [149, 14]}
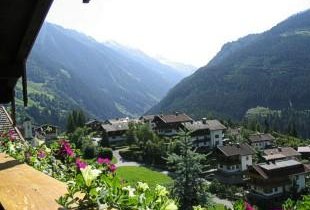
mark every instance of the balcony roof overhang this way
{"type": "Point", "coordinates": [20, 23]}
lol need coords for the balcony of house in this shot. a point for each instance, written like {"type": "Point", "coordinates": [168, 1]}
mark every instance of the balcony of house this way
{"type": "Point", "coordinates": [229, 174]}
{"type": "Point", "coordinates": [202, 141]}
{"type": "Point", "coordinates": [267, 192]}
{"type": "Point", "coordinates": [271, 190]}
{"type": "Point", "coordinates": [229, 169]}
{"type": "Point", "coordinates": [167, 132]}
{"type": "Point", "coordinates": [117, 138]}
{"type": "Point", "coordinates": [268, 196]}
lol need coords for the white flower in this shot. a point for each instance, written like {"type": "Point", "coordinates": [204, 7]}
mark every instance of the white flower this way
{"type": "Point", "coordinates": [142, 186]}
{"type": "Point", "coordinates": [131, 190]}
{"type": "Point", "coordinates": [48, 150]}
{"type": "Point", "coordinates": [98, 189]}
{"type": "Point", "coordinates": [11, 148]}
{"type": "Point", "coordinates": [161, 190]}
{"type": "Point", "coordinates": [198, 208]}
{"type": "Point", "coordinates": [90, 174]}
{"type": "Point", "coordinates": [171, 206]}
{"type": "Point", "coordinates": [103, 206]}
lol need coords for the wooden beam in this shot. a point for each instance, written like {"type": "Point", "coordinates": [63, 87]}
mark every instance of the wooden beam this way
{"type": "Point", "coordinates": [11, 70]}
{"type": "Point", "coordinates": [38, 15]}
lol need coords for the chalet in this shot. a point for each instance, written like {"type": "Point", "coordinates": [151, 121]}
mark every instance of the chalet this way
{"type": "Point", "coordinates": [205, 133]}
{"type": "Point", "coordinates": [169, 125]}
{"type": "Point", "coordinates": [272, 182]}
{"type": "Point", "coordinates": [261, 140]}
{"type": "Point", "coordinates": [116, 131]}
{"type": "Point", "coordinates": [93, 124]}
{"type": "Point", "coordinates": [148, 119]}
{"type": "Point", "coordinates": [47, 132]}
{"type": "Point", "coordinates": [304, 151]}
{"type": "Point", "coordinates": [233, 162]}
{"type": "Point", "coordinates": [280, 153]}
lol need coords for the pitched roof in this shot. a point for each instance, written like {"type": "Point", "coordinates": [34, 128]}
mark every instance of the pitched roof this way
{"type": "Point", "coordinates": [304, 149]}
{"type": "Point", "coordinates": [236, 149]}
{"type": "Point", "coordinates": [261, 137]}
{"type": "Point", "coordinates": [279, 164]}
{"type": "Point", "coordinates": [175, 118]}
{"type": "Point", "coordinates": [147, 117]}
{"type": "Point", "coordinates": [204, 124]}
{"type": "Point", "coordinates": [6, 124]}
{"type": "Point", "coordinates": [91, 121]}
{"type": "Point", "coordinates": [280, 168]}
{"type": "Point", "coordinates": [120, 126]}
{"type": "Point", "coordinates": [281, 152]}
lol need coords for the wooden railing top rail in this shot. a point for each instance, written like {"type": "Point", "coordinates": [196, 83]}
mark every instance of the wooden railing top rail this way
{"type": "Point", "coordinates": [23, 187]}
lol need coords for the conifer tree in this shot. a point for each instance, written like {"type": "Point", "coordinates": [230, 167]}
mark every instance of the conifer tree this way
{"type": "Point", "coordinates": [75, 119]}
{"type": "Point", "coordinates": [70, 124]}
{"type": "Point", "coordinates": [187, 166]}
{"type": "Point", "coordinates": [104, 139]}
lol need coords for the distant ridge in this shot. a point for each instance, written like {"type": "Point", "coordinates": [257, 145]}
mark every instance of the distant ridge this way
{"type": "Point", "coordinates": [67, 70]}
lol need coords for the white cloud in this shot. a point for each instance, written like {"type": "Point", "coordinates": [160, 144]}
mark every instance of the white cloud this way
{"type": "Point", "coordinates": [188, 31]}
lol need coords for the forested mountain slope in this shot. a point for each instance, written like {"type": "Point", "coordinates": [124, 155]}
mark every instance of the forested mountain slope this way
{"type": "Point", "coordinates": [271, 69]}
{"type": "Point", "coordinates": [67, 69]}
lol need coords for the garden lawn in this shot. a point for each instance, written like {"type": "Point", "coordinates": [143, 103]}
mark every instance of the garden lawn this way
{"type": "Point", "coordinates": [218, 207]}
{"type": "Point", "coordinates": [134, 174]}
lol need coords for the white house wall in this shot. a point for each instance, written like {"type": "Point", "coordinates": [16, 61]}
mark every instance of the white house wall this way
{"type": "Point", "coordinates": [300, 181]}
{"type": "Point", "coordinates": [246, 161]}
{"type": "Point", "coordinates": [216, 138]}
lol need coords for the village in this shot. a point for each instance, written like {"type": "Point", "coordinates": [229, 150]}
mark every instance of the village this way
{"type": "Point", "coordinates": [256, 166]}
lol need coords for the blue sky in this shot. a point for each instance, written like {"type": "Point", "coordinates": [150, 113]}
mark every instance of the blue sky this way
{"type": "Point", "coordinates": [186, 31]}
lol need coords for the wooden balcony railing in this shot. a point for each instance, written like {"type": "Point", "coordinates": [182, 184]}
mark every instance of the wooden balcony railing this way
{"type": "Point", "coordinates": [23, 187]}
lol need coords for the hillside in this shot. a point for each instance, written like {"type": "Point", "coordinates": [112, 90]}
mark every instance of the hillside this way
{"type": "Point", "coordinates": [67, 69]}
{"type": "Point", "coordinates": [271, 69]}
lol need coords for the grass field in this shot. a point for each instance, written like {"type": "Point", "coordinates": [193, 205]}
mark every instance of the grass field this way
{"type": "Point", "coordinates": [218, 207]}
{"type": "Point", "coordinates": [133, 174]}
{"type": "Point", "coordinates": [114, 160]}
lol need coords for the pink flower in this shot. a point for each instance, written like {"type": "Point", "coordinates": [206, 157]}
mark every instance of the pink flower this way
{"type": "Point", "coordinates": [248, 206]}
{"type": "Point", "coordinates": [65, 148]}
{"type": "Point", "coordinates": [112, 167]}
{"type": "Point", "coordinates": [11, 132]}
{"type": "Point", "coordinates": [41, 154]}
{"type": "Point", "coordinates": [103, 160]}
{"type": "Point", "coordinates": [80, 164]}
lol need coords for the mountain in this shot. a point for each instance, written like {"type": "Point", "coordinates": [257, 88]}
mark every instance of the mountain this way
{"type": "Point", "coordinates": [67, 70]}
{"type": "Point", "coordinates": [171, 73]}
{"type": "Point", "coordinates": [184, 69]}
{"type": "Point", "coordinates": [271, 69]}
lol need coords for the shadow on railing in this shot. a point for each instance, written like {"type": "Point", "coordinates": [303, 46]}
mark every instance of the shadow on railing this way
{"type": "Point", "coordinates": [9, 164]}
